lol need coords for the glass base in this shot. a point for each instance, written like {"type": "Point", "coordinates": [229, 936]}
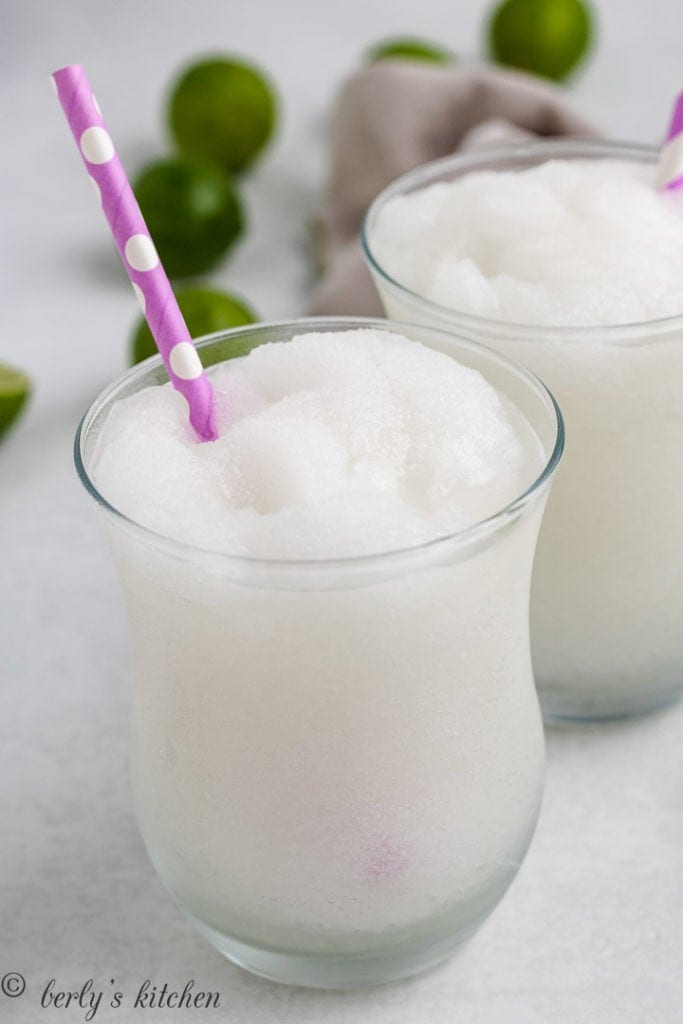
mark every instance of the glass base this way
{"type": "Point", "coordinates": [571, 709]}
{"type": "Point", "coordinates": [356, 959]}
{"type": "Point", "coordinates": [331, 971]}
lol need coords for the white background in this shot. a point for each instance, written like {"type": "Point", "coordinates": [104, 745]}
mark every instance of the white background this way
{"type": "Point", "coordinates": [591, 930]}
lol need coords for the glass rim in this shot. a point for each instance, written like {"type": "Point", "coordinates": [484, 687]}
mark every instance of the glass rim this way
{"type": "Point", "coordinates": [425, 174]}
{"type": "Point", "coordinates": [461, 538]}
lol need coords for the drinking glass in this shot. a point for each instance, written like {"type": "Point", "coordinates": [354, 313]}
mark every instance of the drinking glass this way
{"type": "Point", "coordinates": [337, 764]}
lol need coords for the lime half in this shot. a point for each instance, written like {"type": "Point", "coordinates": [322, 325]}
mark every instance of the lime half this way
{"type": "Point", "coordinates": [15, 387]}
{"type": "Point", "coordinates": [205, 311]}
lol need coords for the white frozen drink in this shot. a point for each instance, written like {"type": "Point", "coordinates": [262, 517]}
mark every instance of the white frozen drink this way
{"type": "Point", "coordinates": [337, 751]}
{"type": "Point", "coordinates": [565, 257]}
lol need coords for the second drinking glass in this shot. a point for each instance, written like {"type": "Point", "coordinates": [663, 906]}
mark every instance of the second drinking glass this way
{"type": "Point", "coordinates": [607, 594]}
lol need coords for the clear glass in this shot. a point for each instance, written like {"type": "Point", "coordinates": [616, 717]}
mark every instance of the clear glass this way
{"type": "Point", "coordinates": [607, 592]}
{"type": "Point", "coordinates": [337, 765]}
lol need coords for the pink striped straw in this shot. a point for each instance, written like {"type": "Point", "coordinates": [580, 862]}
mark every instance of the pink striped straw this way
{"type": "Point", "coordinates": [136, 248]}
{"type": "Point", "coordinates": [670, 171]}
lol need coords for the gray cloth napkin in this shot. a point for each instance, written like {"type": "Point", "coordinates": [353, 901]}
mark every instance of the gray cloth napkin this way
{"type": "Point", "coordinates": [396, 115]}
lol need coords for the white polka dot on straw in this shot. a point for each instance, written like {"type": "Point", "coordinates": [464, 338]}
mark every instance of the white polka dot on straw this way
{"type": "Point", "coordinates": [139, 295]}
{"type": "Point", "coordinates": [96, 145]}
{"type": "Point", "coordinates": [184, 361]}
{"type": "Point", "coordinates": [95, 188]}
{"type": "Point", "coordinates": [671, 163]}
{"type": "Point", "coordinates": [140, 252]}
{"type": "Point", "coordinates": [670, 170]}
{"type": "Point", "coordinates": [182, 403]}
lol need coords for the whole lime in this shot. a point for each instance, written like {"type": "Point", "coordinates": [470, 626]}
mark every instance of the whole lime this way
{"type": "Point", "coordinates": [223, 109]}
{"type": "Point", "coordinates": [547, 37]}
{"type": "Point", "coordinates": [192, 211]}
{"type": "Point", "coordinates": [409, 48]}
{"type": "Point", "coordinates": [205, 311]}
{"type": "Point", "coordinates": [15, 387]}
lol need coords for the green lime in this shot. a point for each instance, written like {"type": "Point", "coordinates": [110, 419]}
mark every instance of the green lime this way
{"type": "Point", "coordinates": [222, 109]}
{"type": "Point", "coordinates": [192, 211]}
{"type": "Point", "coordinates": [547, 37]}
{"type": "Point", "coordinates": [15, 387]}
{"type": "Point", "coordinates": [408, 48]}
{"type": "Point", "coordinates": [205, 311]}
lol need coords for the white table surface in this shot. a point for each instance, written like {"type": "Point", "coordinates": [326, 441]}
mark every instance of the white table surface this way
{"type": "Point", "coordinates": [592, 929]}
